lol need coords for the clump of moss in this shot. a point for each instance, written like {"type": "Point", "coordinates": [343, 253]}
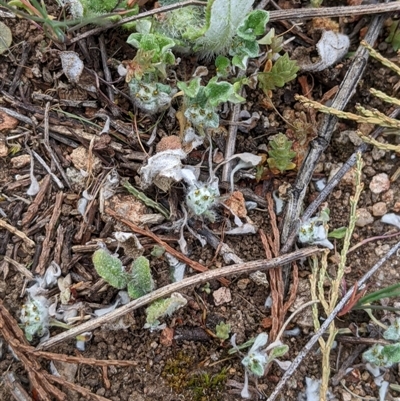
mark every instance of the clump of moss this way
{"type": "Point", "coordinates": [201, 386]}
{"type": "Point", "coordinates": [206, 387]}
{"type": "Point", "coordinates": [176, 371]}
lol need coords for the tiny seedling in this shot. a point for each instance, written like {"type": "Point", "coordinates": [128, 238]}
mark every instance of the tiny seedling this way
{"type": "Point", "coordinates": [280, 154]}
{"type": "Point", "coordinates": [222, 330]}
{"type": "Point", "coordinates": [259, 357]}
{"type": "Point", "coordinates": [35, 317]}
{"type": "Point", "coordinates": [385, 356]}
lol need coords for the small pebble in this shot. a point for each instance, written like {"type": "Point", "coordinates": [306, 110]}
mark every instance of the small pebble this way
{"type": "Point", "coordinates": [379, 183]}
{"type": "Point", "coordinates": [364, 218]}
{"type": "Point", "coordinates": [222, 296]}
{"type": "Point", "coordinates": [379, 209]}
{"type": "Point", "coordinates": [388, 196]}
{"type": "Point", "coordinates": [243, 283]}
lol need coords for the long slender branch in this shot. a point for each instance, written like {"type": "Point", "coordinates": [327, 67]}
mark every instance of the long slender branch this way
{"type": "Point", "coordinates": [277, 15]}
{"type": "Point", "coordinates": [178, 286]}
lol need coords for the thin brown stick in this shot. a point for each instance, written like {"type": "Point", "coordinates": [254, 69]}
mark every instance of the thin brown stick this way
{"type": "Point", "coordinates": [81, 390]}
{"type": "Point", "coordinates": [242, 268]}
{"type": "Point", "coordinates": [33, 208]}
{"type": "Point", "coordinates": [76, 359]}
{"type": "Point", "coordinates": [16, 232]}
{"type": "Point", "coordinates": [21, 268]}
{"type": "Point", "coordinates": [50, 230]}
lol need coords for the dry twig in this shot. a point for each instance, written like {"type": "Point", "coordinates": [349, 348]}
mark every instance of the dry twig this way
{"type": "Point", "coordinates": [242, 268]}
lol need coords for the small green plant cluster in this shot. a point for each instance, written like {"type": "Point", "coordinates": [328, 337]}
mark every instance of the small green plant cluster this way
{"type": "Point", "coordinates": [226, 28]}
{"type": "Point", "coordinates": [35, 317]}
{"type": "Point", "coordinates": [161, 308]}
{"type": "Point", "coordinates": [280, 154]}
{"type": "Point", "coordinates": [200, 102]}
{"type": "Point", "coordinates": [259, 357]}
{"type": "Point", "coordinates": [385, 356]}
{"type": "Point", "coordinates": [139, 282]}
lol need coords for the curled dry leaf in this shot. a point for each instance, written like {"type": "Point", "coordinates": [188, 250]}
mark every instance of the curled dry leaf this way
{"type": "Point", "coordinates": [236, 204]}
{"type": "Point", "coordinates": [331, 48]}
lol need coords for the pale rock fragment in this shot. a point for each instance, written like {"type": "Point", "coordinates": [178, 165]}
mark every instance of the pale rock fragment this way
{"type": "Point", "coordinates": [222, 296]}
{"type": "Point", "coordinates": [364, 218]}
{"type": "Point", "coordinates": [380, 183]}
{"type": "Point", "coordinates": [379, 209]}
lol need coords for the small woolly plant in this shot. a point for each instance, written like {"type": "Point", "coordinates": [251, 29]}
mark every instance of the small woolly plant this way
{"type": "Point", "coordinates": [142, 73]}
{"type": "Point", "coordinates": [315, 230]}
{"type": "Point", "coordinates": [280, 154]}
{"type": "Point", "coordinates": [259, 357]}
{"type": "Point", "coordinates": [161, 308]}
{"type": "Point", "coordinates": [386, 356]}
{"type": "Point", "coordinates": [201, 198]}
{"type": "Point", "coordinates": [139, 281]}
{"type": "Point", "coordinates": [200, 102]}
{"type": "Point", "coordinates": [110, 268]}
{"type": "Point", "coordinates": [35, 317]}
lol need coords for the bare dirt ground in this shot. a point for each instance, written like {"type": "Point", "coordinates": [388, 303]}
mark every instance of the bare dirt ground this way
{"type": "Point", "coordinates": [185, 361]}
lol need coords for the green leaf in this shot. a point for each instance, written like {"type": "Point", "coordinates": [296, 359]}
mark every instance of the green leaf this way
{"type": "Point", "coordinates": [253, 25]}
{"type": "Point", "coordinates": [192, 89]}
{"type": "Point", "coordinates": [223, 66]}
{"type": "Point", "coordinates": [394, 35]}
{"type": "Point", "coordinates": [278, 351]}
{"type": "Point", "coordinates": [110, 268]}
{"type": "Point", "coordinates": [338, 233]}
{"type": "Point", "coordinates": [163, 307]}
{"type": "Point", "coordinates": [218, 92]}
{"type": "Point", "coordinates": [140, 281]}
{"type": "Point", "coordinates": [223, 17]}
{"type": "Point", "coordinates": [267, 39]}
{"type": "Point", "coordinates": [391, 352]}
{"type": "Point", "coordinates": [5, 37]}
{"type": "Point", "coordinates": [283, 71]}
{"type": "Point", "coordinates": [387, 292]}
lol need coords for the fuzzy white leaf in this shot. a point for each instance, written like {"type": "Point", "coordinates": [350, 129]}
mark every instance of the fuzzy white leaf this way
{"type": "Point", "coordinates": [226, 16]}
{"type": "Point", "coordinates": [166, 164]}
{"type": "Point", "coordinates": [72, 66]}
{"type": "Point", "coordinates": [391, 218]}
{"type": "Point", "coordinates": [245, 228]}
{"type": "Point", "coordinates": [332, 47]}
{"type": "Point", "coordinates": [34, 187]}
{"type": "Point", "coordinates": [284, 365]}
